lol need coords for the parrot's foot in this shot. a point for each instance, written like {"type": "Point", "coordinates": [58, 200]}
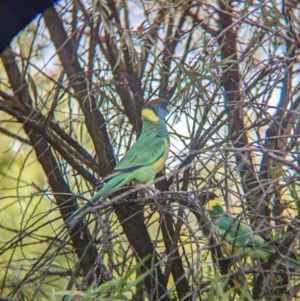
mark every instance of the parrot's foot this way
{"type": "Point", "coordinates": [152, 192]}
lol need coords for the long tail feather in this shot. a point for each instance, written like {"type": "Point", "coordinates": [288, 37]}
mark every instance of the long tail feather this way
{"type": "Point", "coordinates": [110, 187]}
{"type": "Point", "coordinates": [291, 263]}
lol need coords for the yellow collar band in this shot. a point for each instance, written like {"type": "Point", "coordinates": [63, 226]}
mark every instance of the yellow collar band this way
{"type": "Point", "coordinates": [150, 115]}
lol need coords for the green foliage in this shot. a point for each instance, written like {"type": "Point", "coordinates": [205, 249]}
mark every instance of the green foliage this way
{"type": "Point", "coordinates": [116, 289]}
{"type": "Point", "coordinates": [230, 70]}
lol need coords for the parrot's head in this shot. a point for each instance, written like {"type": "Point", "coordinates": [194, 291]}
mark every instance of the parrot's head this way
{"type": "Point", "coordinates": [156, 109]}
{"type": "Point", "coordinates": [211, 202]}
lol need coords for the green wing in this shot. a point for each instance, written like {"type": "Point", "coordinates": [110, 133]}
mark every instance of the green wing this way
{"type": "Point", "coordinates": [147, 150]}
{"type": "Point", "coordinates": [240, 238]}
{"type": "Point", "coordinates": [238, 233]}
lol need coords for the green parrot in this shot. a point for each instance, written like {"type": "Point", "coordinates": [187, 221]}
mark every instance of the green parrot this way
{"type": "Point", "coordinates": [237, 237]}
{"type": "Point", "coordinates": [144, 159]}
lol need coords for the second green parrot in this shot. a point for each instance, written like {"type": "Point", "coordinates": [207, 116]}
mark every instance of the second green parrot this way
{"type": "Point", "coordinates": [145, 158]}
{"type": "Point", "coordinates": [237, 237]}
